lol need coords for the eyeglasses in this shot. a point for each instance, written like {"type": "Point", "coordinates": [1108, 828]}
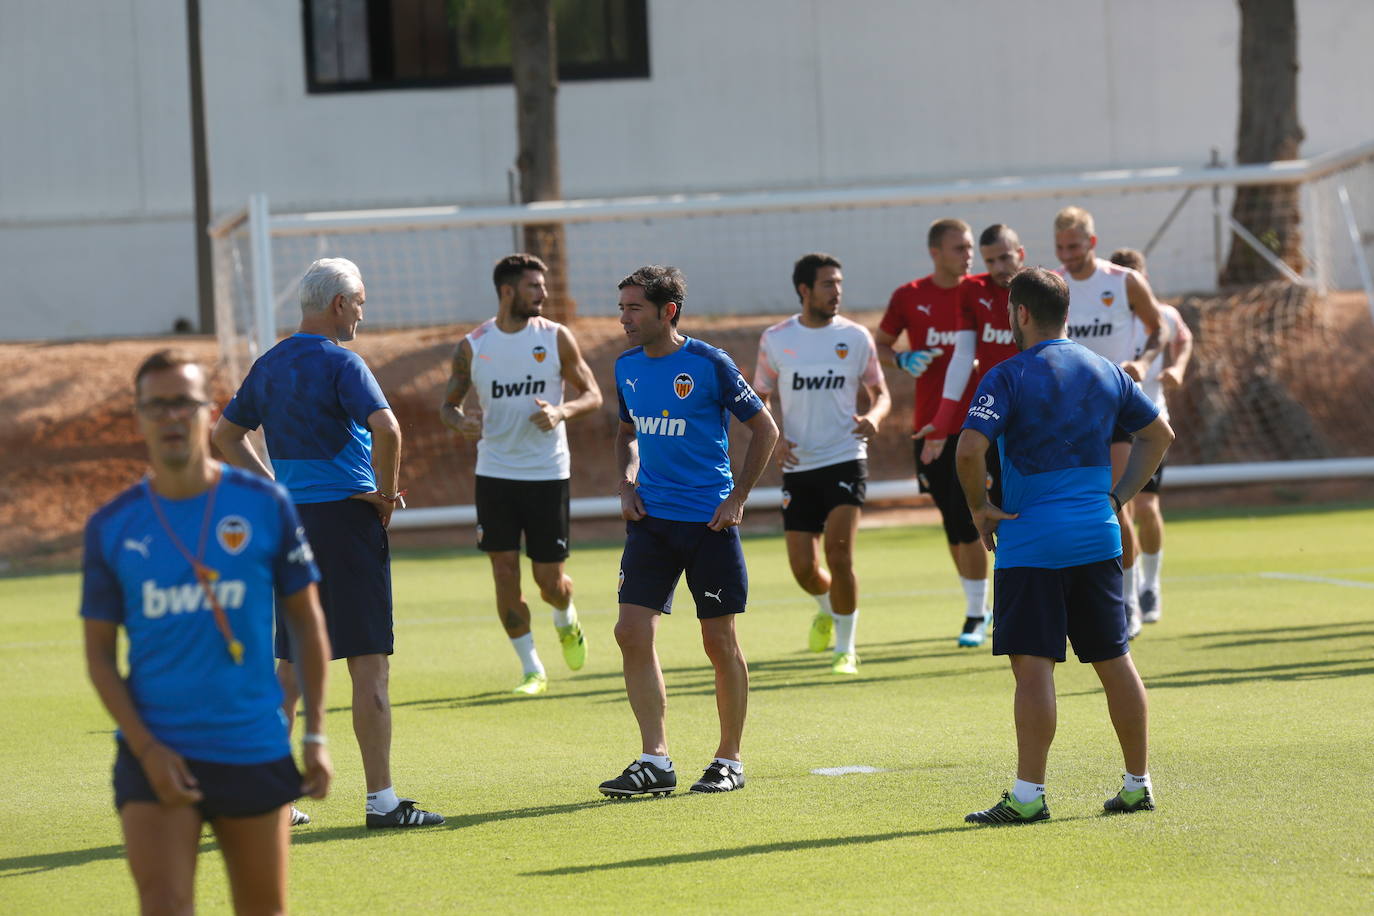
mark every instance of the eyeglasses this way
{"type": "Point", "coordinates": [165, 407]}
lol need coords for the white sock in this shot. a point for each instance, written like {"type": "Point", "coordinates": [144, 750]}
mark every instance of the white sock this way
{"type": "Point", "coordinates": [565, 617]}
{"type": "Point", "coordinates": [1135, 783]}
{"type": "Point", "coordinates": [732, 764]}
{"type": "Point", "coordinates": [663, 763]}
{"type": "Point", "coordinates": [1027, 792]}
{"type": "Point", "coordinates": [844, 632]}
{"type": "Point", "coordinates": [1149, 564]}
{"type": "Point", "coordinates": [383, 801]}
{"type": "Point", "coordinates": [1128, 587]}
{"type": "Point", "coordinates": [824, 602]}
{"type": "Point", "coordinates": [976, 592]}
{"type": "Point", "coordinates": [529, 659]}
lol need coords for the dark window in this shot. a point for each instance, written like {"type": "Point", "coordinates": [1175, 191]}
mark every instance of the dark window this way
{"type": "Point", "coordinates": [355, 45]}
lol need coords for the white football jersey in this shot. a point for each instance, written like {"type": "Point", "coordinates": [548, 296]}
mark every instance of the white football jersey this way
{"type": "Point", "coordinates": [1174, 329]}
{"type": "Point", "coordinates": [1100, 316]}
{"type": "Point", "coordinates": [817, 373]}
{"type": "Point", "coordinates": [511, 372]}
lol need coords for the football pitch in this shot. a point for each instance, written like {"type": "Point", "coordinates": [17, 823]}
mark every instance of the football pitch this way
{"type": "Point", "coordinates": [1261, 678]}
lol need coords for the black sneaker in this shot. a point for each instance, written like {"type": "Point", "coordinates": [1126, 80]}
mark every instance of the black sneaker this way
{"type": "Point", "coordinates": [640, 778]}
{"type": "Point", "coordinates": [1125, 802]}
{"type": "Point", "coordinates": [1149, 606]}
{"type": "Point", "coordinates": [719, 778]}
{"type": "Point", "coordinates": [1011, 811]}
{"type": "Point", "coordinates": [298, 817]}
{"type": "Point", "coordinates": [404, 815]}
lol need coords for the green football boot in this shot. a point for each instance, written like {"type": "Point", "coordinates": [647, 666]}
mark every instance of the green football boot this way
{"type": "Point", "coordinates": [822, 625]}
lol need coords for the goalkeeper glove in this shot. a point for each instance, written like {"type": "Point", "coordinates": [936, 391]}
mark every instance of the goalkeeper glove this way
{"type": "Point", "coordinates": [915, 362]}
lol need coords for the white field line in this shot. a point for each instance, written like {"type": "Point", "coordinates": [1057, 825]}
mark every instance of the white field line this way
{"type": "Point", "coordinates": [1323, 580]}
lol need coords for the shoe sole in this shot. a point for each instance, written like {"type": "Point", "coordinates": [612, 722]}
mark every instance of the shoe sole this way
{"type": "Point", "coordinates": [623, 793]}
{"type": "Point", "coordinates": [1036, 820]}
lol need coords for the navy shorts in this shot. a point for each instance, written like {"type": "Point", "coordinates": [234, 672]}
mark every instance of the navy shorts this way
{"type": "Point", "coordinates": [1157, 478]}
{"type": "Point", "coordinates": [941, 481]}
{"type": "Point", "coordinates": [658, 551]}
{"type": "Point", "coordinates": [1037, 609]}
{"type": "Point", "coordinates": [354, 556]}
{"type": "Point", "coordinates": [230, 789]}
{"type": "Point", "coordinates": [539, 508]}
{"type": "Point", "coordinates": [994, 463]}
{"type": "Point", "coordinates": [808, 496]}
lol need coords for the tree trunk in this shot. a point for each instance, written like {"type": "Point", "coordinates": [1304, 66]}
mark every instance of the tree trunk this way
{"type": "Point", "coordinates": [1269, 130]}
{"type": "Point", "coordinates": [534, 61]}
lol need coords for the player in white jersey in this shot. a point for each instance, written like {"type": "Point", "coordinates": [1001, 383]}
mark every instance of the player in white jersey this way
{"type": "Point", "coordinates": [1165, 375]}
{"type": "Point", "coordinates": [1103, 298]}
{"type": "Point", "coordinates": [820, 360]}
{"type": "Point", "coordinates": [519, 362]}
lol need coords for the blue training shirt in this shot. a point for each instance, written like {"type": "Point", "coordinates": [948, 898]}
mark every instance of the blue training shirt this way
{"type": "Point", "coordinates": [186, 687]}
{"type": "Point", "coordinates": [312, 398]}
{"type": "Point", "coordinates": [680, 405]}
{"type": "Point", "coordinates": [1051, 410]}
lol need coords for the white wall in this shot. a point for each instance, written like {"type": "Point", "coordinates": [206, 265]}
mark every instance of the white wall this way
{"type": "Point", "coordinates": [95, 152]}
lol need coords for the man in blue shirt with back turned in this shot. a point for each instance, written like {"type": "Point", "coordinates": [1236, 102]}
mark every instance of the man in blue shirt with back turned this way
{"type": "Point", "coordinates": [321, 410]}
{"type": "Point", "coordinates": [1051, 409]}
{"type": "Point", "coordinates": [681, 508]}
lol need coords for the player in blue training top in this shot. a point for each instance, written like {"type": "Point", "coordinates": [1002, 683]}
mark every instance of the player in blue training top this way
{"type": "Point", "coordinates": [1052, 409]}
{"type": "Point", "coordinates": [188, 561]}
{"type": "Point", "coordinates": [681, 507]}
{"type": "Point", "coordinates": [336, 447]}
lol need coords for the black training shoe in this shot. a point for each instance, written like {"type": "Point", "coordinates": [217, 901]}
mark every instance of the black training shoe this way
{"type": "Point", "coordinates": [1125, 802]}
{"type": "Point", "coordinates": [640, 778]}
{"type": "Point", "coordinates": [719, 778]}
{"type": "Point", "coordinates": [1011, 811]}
{"type": "Point", "coordinates": [404, 815]}
{"type": "Point", "coordinates": [298, 817]}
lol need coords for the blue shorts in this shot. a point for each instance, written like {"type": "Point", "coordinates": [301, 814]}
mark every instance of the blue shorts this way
{"type": "Point", "coordinates": [657, 551]}
{"type": "Point", "coordinates": [1035, 610]}
{"type": "Point", "coordinates": [354, 556]}
{"type": "Point", "coordinates": [230, 789]}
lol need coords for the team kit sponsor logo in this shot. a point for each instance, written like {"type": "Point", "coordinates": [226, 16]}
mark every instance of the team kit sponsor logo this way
{"type": "Point", "coordinates": [1098, 328]}
{"type": "Point", "coordinates": [539, 354]}
{"type": "Point", "coordinates": [829, 381]}
{"type": "Point", "coordinates": [301, 554]}
{"type": "Point", "coordinates": [995, 336]}
{"type": "Point", "coordinates": [981, 409]}
{"type": "Point", "coordinates": [233, 533]}
{"type": "Point", "coordinates": [745, 392]}
{"type": "Point", "coordinates": [530, 386]}
{"type": "Point", "coordinates": [936, 338]}
{"type": "Point", "coordinates": [664, 425]}
{"type": "Point", "coordinates": [190, 597]}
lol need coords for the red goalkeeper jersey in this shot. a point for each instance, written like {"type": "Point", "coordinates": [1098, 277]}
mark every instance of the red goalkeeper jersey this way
{"type": "Point", "coordinates": [930, 315]}
{"type": "Point", "coordinates": [983, 307]}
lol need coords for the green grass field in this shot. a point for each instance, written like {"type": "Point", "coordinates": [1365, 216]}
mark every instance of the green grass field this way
{"type": "Point", "coordinates": [1262, 686]}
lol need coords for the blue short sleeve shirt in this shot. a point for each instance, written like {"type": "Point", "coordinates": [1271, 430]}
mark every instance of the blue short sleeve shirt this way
{"type": "Point", "coordinates": [185, 685]}
{"type": "Point", "coordinates": [680, 405]}
{"type": "Point", "coordinates": [312, 398]}
{"type": "Point", "coordinates": [1051, 410]}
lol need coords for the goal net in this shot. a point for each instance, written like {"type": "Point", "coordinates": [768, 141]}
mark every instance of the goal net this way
{"type": "Point", "coordinates": [1274, 376]}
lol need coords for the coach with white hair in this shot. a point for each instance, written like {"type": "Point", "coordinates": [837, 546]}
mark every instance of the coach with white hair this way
{"type": "Point", "coordinates": [336, 447]}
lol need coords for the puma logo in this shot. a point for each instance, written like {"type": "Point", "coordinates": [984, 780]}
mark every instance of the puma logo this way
{"type": "Point", "coordinates": [986, 303]}
{"type": "Point", "coordinates": [561, 542]}
{"type": "Point", "coordinates": [631, 383]}
{"type": "Point", "coordinates": [715, 596]}
{"type": "Point", "coordinates": [923, 308]}
{"type": "Point", "coordinates": [139, 547]}
{"type": "Point", "coordinates": [848, 485]}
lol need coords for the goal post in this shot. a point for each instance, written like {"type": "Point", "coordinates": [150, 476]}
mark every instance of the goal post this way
{"type": "Point", "coordinates": [428, 273]}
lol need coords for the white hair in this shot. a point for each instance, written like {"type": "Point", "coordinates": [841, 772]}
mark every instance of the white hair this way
{"type": "Point", "coordinates": [327, 278]}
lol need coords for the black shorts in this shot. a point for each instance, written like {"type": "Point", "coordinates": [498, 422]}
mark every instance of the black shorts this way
{"type": "Point", "coordinates": [1038, 609]}
{"type": "Point", "coordinates": [657, 551]}
{"type": "Point", "coordinates": [1157, 478]}
{"type": "Point", "coordinates": [941, 481]}
{"type": "Point", "coordinates": [539, 508]}
{"type": "Point", "coordinates": [994, 463]}
{"type": "Point", "coordinates": [230, 789]}
{"type": "Point", "coordinates": [354, 556]}
{"type": "Point", "coordinates": [808, 496]}
{"type": "Point", "coordinates": [1121, 435]}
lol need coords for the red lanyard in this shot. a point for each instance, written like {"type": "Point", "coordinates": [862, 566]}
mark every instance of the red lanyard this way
{"type": "Point", "coordinates": [204, 574]}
